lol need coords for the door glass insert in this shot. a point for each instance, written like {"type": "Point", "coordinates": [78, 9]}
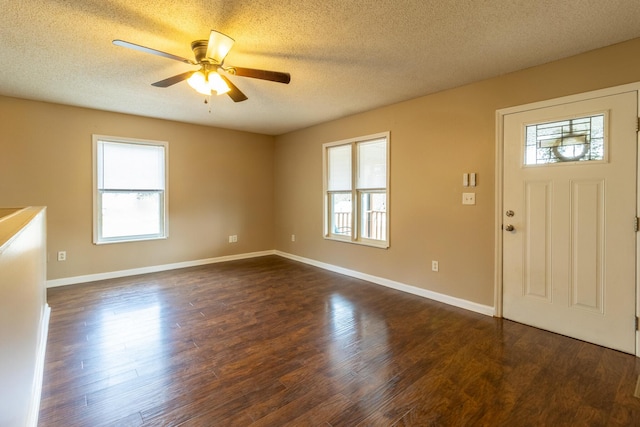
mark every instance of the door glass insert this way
{"type": "Point", "coordinates": [574, 140]}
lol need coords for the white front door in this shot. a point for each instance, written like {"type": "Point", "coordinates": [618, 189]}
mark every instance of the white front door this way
{"type": "Point", "coordinates": [569, 197]}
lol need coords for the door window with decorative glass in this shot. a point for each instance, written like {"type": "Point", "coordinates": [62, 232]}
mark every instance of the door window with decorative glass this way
{"type": "Point", "coordinates": [576, 140]}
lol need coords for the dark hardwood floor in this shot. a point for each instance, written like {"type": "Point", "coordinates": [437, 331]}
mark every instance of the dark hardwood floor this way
{"type": "Point", "coordinates": [272, 342]}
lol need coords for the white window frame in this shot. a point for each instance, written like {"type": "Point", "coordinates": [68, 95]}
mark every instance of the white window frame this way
{"type": "Point", "coordinates": [98, 239]}
{"type": "Point", "coordinates": [356, 192]}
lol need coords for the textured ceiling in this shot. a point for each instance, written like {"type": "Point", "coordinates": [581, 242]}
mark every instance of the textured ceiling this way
{"type": "Point", "coordinates": [344, 56]}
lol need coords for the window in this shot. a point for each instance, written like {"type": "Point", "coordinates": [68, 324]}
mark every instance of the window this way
{"type": "Point", "coordinates": [356, 182]}
{"type": "Point", "coordinates": [130, 189]}
{"type": "Point", "coordinates": [580, 139]}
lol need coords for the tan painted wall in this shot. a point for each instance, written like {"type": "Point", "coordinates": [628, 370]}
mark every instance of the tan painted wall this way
{"type": "Point", "coordinates": [434, 140]}
{"type": "Point", "coordinates": [220, 183]}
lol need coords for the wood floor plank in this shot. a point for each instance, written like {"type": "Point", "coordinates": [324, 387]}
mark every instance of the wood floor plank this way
{"type": "Point", "coordinates": [271, 342]}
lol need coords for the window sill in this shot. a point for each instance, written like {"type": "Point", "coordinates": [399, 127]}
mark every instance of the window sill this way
{"type": "Point", "coordinates": [370, 243]}
{"type": "Point", "coordinates": [130, 239]}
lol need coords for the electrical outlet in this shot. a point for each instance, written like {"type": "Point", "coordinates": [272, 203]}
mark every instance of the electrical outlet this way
{"type": "Point", "coordinates": [293, 237]}
{"type": "Point", "coordinates": [62, 256]}
{"type": "Point", "coordinates": [233, 238]}
{"type": "Point", "coordinates": [468, 198]}
{"type": "Point", "coordinates": [434, 266]}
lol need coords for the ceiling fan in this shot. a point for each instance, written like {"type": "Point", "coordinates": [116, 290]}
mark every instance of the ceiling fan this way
{"type": "Point", "coordinates": [210, 55]}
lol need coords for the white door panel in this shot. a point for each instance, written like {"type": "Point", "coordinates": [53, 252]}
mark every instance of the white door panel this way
{"type": "Point", "coordinates": [569, 263]}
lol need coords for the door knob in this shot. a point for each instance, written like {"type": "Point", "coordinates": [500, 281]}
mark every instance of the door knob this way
{"type": "Point", "coordinates": [509, 227]}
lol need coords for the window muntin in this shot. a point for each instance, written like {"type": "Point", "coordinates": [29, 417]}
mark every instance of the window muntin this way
{"type": "Point", "coordinates": [580, 139]}
{"type": "Point", "coordinates": [130, 189]}
{"type": "Point", "coordinates": [356, 187]}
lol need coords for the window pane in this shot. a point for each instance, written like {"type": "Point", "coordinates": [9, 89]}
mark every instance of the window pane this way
{"type": "Point", "coordinates": [575, 140]}
{"type": "Point", "coordinates": [131, 214]}
{"type": "Point", "coordinates": [340, 208]}
{"type": "Point", "coordinates": [372, 164]}
{"type": "Point", "coordinates": [127, 166]}
{"type": "Point", "coordinates": [339, 169]}
{"type": "Point", "coordinates": [373, 211]}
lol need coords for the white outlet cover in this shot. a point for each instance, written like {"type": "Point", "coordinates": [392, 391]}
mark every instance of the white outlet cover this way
{"type": "Point", "coordinates": [468, 198]}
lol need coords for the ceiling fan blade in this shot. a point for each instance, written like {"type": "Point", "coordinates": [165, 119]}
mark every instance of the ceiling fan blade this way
{"type": "Point", "coordinates": [218, 46]}
{"type": "Point", "coordinates": [235, 93]}
{"type": "Point", "coordinates": [274, 76]}
{"type": "Point", "coordinates": [152, 51]}
{"type": "Point", "coordinates": [173, 80]}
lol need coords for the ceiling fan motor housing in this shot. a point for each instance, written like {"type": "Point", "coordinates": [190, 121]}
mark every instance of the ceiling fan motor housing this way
{"type": "Point", "coordinates": [199, 48]}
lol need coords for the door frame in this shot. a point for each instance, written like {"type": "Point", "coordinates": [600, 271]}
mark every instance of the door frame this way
{"type": "Point", "coordinates": [499, 173]}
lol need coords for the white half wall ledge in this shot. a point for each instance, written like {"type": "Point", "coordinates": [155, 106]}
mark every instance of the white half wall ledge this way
{"type": "Point", "coordinates": [445, 299]}
{"type": "Point", "coordinates": [34, 410]}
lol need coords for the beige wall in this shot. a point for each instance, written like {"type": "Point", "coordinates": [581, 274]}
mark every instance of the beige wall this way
{"type": "Point", "coordinates": [220, 183]}
{"type": "Point", "coordinates": [434, 140]}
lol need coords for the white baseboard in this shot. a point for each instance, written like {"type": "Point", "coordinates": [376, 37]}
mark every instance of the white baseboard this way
{"type": "Point", "coordinates": [153, 269]}
{"type": "Point", "coordinates": [446, 299]}
{"type": "Point", "coordinates": [34, 407]}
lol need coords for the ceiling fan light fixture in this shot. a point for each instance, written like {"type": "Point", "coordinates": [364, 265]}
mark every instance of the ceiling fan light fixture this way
{"type": "Point", "coordinates": [218, 46]}
{"type": "Point", "coordinates": [198, 82]}
{"type": "Point", "coordinates": [217, 84]}
{"type": "Point", "coordinates": [209, 56]}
